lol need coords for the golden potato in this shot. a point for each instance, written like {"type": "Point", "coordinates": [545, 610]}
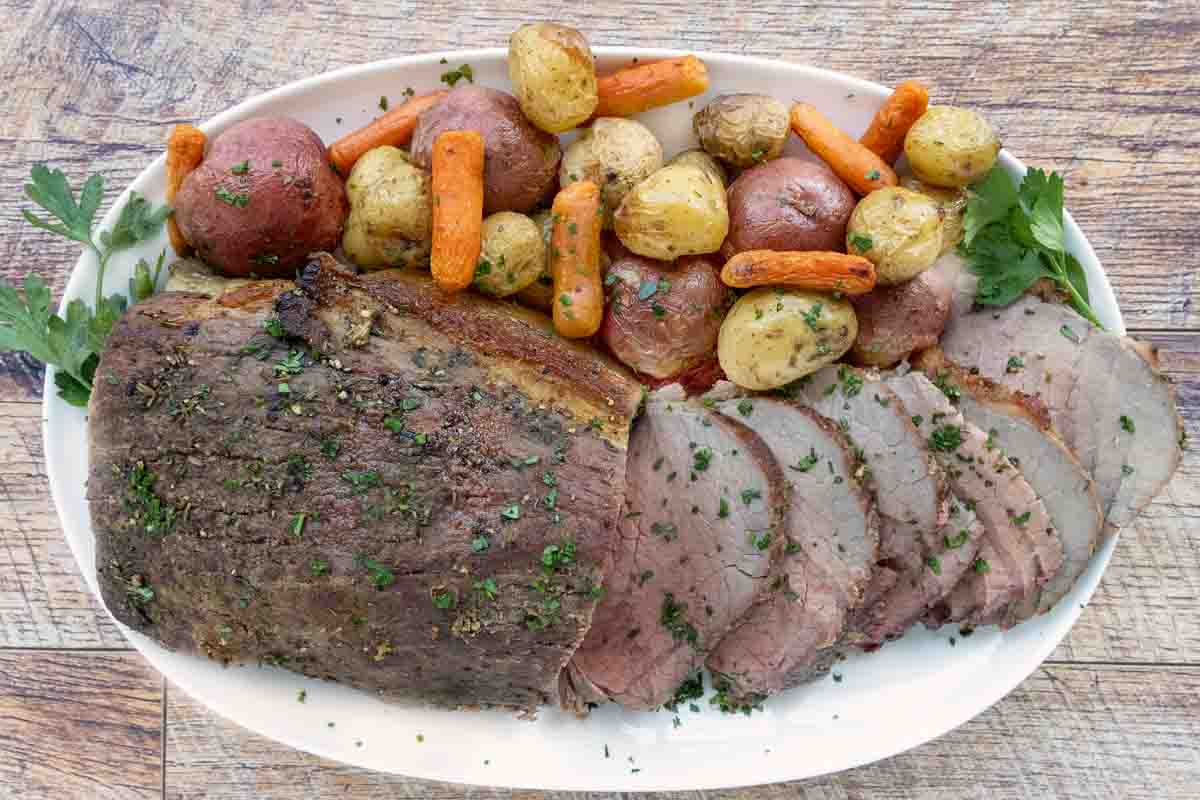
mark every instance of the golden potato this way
{"type": "Point", "coordinates": [951, 146]}
{"type": "Point", "coordinates": [513, 254]}
{"type": "Point", "coordinates": [772, 337]}
{"type": "Point", "coordinates": [390, 213]}
{"type": "Point", "coordinates": [697, 157]}
{"type": "Point", "coordinates": [951, 202]}
{"type": "Point", "coordinates": [679, 210]}
{"type": "Point", "coordinates": [553, 75]}
{"type": "Point", "coordinates": [898, 230]}
{"type": "Point", "coordinates": [743, 129]}
{"type": "Point", "coordinates": [616, 154]}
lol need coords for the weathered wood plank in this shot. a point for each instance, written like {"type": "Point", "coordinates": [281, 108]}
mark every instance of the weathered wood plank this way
{"type": "Point", "coordinates": [1067, 732]}
{"type": "Point", "coordinates": [79, 725]}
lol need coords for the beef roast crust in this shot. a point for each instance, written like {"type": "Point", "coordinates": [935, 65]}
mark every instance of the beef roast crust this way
{"type": "Point", "coordinates": [410, 493]}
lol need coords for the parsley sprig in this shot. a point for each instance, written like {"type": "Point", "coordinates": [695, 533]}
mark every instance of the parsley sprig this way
{"type": "Point", "coordinates": [72, 343]}
{"type": "Point", "coordinates": [1014, 234]}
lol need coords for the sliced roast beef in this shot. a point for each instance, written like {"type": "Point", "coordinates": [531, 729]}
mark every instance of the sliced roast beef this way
{"type": "Point", "coordinates": [705, 521]}
{"type": "Point", "coordinates": [1019, 425]}
{"type": "Point", "coordinates": [1021, 552]}
{"type": "Point", "coordinates": [1106, 397]}
{"type": "Point", "coordinates": [833, 545]}
{"type": "Point", "coordinates": [386, 486]}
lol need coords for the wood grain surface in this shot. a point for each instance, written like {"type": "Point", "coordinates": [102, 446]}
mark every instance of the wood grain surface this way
{"type": "Point", "coordinates": [1108, 94]}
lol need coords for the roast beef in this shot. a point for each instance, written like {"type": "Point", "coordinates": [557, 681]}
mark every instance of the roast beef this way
{"type": "Point", "coordinates": [833, 546]}
{"type": "Point", "coordinates": [1021, 552]}
{"type": "Point", "coordinates": [359, 479]}
{"type": "Point", "coordinates": [705, 521]}
{"type": "Point", "coordinates": [1106, 397]}
{"type": "Point", "coordinates": [1020, 426]}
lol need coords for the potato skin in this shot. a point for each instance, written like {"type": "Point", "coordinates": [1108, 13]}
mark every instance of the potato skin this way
{"type": "Point", "coordinates": [899, 230]}
{"type": "Point", "coordinates": [553, 74]}
{"type": "Point", "coordinates": [893, 321]}
{"type": "Point", "coordinates": [697, 157]}
{"type": "Point", "coordinates": [788, 204]}
{"type": "Point", "coordinates": [772, 337]}
{"type": "Point", "coordinates": [390, 212]}
{"type": "Point", "coordinates": [521, 161]}
{"type": "Point", "coordinates": [616, 154]}
{"type": "Point", "coordinates": [951, 146]}
{"type": "Point", "coordinates": [273, 217]}
{"type": "Point", "coordinates": [952, 203]}
{"type": "Point", "coordinates": [672, 330]}
{"type": "Point", "coordinates": [743, 129]}
{"type": "Point", "coordinates": [679, 210]}
{"type": "Point", "coordinates": [513, 254]}
{"type": "Point", "coordinates": [539, 294]}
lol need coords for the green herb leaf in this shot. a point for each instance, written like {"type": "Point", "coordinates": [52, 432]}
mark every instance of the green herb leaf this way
{"type": "Point", "coordinates": [1127, 424]}
{"type": "Point", "coordinates": [49, 190]}
{"type": "Point", "coordinates": [957, 540]}
{"type": "Point", "coordinates": [861, 243]}
{"type": "Point", "coordinates": [455, 75]}
{"type": "Point", "coordinates": [990, 201]}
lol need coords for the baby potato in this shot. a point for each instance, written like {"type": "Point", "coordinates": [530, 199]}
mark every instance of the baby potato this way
{"type": "Point", "coordinates": [951, 146]}
{"type": "Point", "coordinates": [513, 254]}
{"type": "Point", "coordinates": [615, 153]}
{"type": "Point", "coordinates": [540, 293]}
{"type": "Point", "coordinates": [772, 337]}
{"type": "Point", "coordinates": [679, 210]}
{"type": "Point", "coordinates": [697, 157]}
{"type": "Point", "coordinates": [743, 129]}
{"type": "Point", "coordinates": [390, 213]}
{"type": "Point", "coordinates": [553, 75]}
{"type": "Point", "coordinates": [898, 230]}
{"type": "Point", "coordinates": [951, 202]}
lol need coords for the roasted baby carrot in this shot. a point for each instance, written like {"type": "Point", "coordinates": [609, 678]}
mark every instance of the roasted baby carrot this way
{"type": "Point", "coordinates": [395, 128]}
{"type": "Point", "coordinates": [639, 88]}
{"type": "Point", "coordinates": [862, 169]}
{"type": "Point", "coordinates": [575, 260]}
{"type": "Point", "coordinates": [815, 270]}
{"type": "Point", "coordinates": [185, 151]}
{"type": "Point", "coordinates": [457, 187]}
{"type": "Point", "coordinates": [885, 136]}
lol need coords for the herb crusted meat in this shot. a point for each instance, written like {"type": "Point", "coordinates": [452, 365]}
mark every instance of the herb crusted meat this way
{"type": "Point", "coordinates": [359, 479]}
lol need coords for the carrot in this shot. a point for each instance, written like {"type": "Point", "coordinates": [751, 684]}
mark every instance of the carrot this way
{"type": "Point", "coordinates": [185, 151]}
{"type": "Point", "coordinates": [852, 162]}
{"type": "Point", "coordinates": [457, 188]}
{"type": "Point", "coordinates": [885, 136]}
{"type": "Point", "coordinates": [816, 270]}
{"type": "Point", "coordinates": [394, 128]}
{"type": "Point", "coordinates": [639, 88]}
{"type": "Point", "coordinates": [575, 260]}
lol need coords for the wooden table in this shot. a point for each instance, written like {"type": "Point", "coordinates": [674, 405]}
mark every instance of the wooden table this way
{"type": "Point", "coordinates": [1108, 94]}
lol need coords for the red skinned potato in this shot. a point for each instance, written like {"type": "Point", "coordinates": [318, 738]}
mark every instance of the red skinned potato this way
{"type": "Point", "coordinates": [663, 318]}
{"type": "Point", "coordinates": [263, 199]}
{"type": "Point", "coordinates": [788, 204]}
{"type": "Point", "coordinates": [895, 321]}
{"type": "Point", "coordinates": [520, 161]}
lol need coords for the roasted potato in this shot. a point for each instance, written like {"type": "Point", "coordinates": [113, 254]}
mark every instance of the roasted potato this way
{"type": "Point", "coordinates": [553, 74]}
{"type": "Point", "coordinates": [263, 199]}
{"type": "Point", "coordinates": [679, 210]}
{"type": "Point", "coordinates": [662, 318]}
{"type": "Point", "coordinates": [540, 293]}
{"type": "Point", "coordinates": [898, 230]}
{"type": "Point", "coordinates": [743, 129]}
{"type": "Point", "coordinates": [772, 337]}
{"type": "Point", "coordinates": [787, 204]}
{"type": "Point", "coordinates": [390, 213]}
{"type": "Point", "coordinates": [952, 203]}
{"type": "Point", "coordinates": [951, 146]}
{"type": "Point", "coordinates": [893, 321]}
{"type": "Point", "coordinates": [616, 154]}
{"type": "Point", "coordinates": [521, 160]}
{"type": "Point", "coordinates": [699, 158]}
{"type": "Point", "coordinates": [513, 254]}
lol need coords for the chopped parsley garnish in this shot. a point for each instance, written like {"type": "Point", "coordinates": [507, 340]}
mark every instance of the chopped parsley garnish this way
{"type": "Point", "coordinates": [745, 408]}
{"type": "Point", "coordinates": [761, 541]}
{"type": "Point", "coordinates": [946, 439]}
{"type": "Point", "coordinates": [1126, 470]}
{"type": "Point", "coordinates": [1069, 333]}
{"type": "Point", "coordinates": [917, 420]}
{"type": "Point", "coordinates": [873, 175]}
{"type": "Point", "coordinates": [1021, 519]}
{"type": "Point", "coordinates": [667, 530]}
{"type": "Point", "coordinates": [981, 566]}
{"type": "Point", "coordinates": [442, 599]}
{"type": "Point", "coordinates": [691, 689]}
{"type": "Point", "coordinates": [750, 495]}
{"type": "Point", "coordinates": [850, 380]}
{"type": "Point", "coordinates": [298, 522]}
{"type": "Point", "coordinates": [318, 567]}
{"type": "Point", "coordinates": [511, 511]}
{"type": "Point", "coordinates": [942, 381]}
{"type": "Point", "coordinates": [1127, 424]}
{"type": "Point", "coordinates": [723, 509]}
{"type": "Point", "coordinates": [558, 556]}
{"type": "Point", "coordinates": [487, 588]}
{"type": "Point", "coordinates": [1015, 364]}
{"type": "Point", "coordinates": [362, 481]}
{"type": "Point", "coordinates": [934, 564]}
{"type": "Point", "coordinates": [957, 540]}
{"type": "Point", "coordinates": [660, 312]}
{"type": "Point", "coordinates": [455, 75]}
{"type": "Point", "coordinates": [808, 462]}
{"type": "Point", "coordinates": [672, 618]}
{"type": "Point", "coordinates": [230, 198]}
{"type": "Point", "coordinates": [381, 576]}
{"type": "Point", "coordinates": [812, 316]}
{"type": "Point", "coordinates": [292, 364]}
{"type": "Point", "coordinates": [383, 103]}
{"type": "Point", "coordinates": [240, 168]}
{"type": "Point", "coordinates": [480, 543]}
{"type": "Point", "coordinates": [565, 299]}
{"type": "Point", "coordinates": [861, 243]}
{"type": "Point", "coordinates": [274, 327]}
{"type": "Point", "coordinates": [702, 458]}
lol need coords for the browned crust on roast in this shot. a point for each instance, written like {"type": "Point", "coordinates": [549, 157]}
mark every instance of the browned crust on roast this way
{"type": "Point", "coordinates": [933, 362]}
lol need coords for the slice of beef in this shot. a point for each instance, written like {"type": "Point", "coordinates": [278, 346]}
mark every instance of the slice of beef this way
{"type": "Point", "coordinates": [408, 492]}
{"type": "Point", "coordinates": [1021, 552]}
{"type": "Point", "coordinates": [1106, 397]}
{"type": "Point", "coordinates": [705, 521]}
{"type": "Point", "coordinates": [1020, 426]}
{"type": "Point", "coordinates": [833, 546]}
